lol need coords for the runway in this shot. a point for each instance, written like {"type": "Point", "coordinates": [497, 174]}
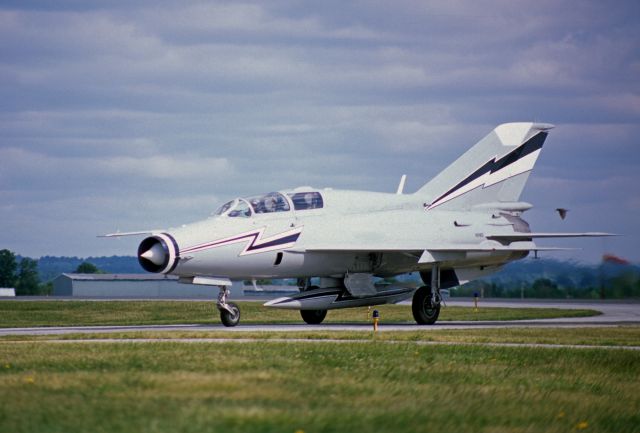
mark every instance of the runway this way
{"type": "Point", "coordinates": [613, 314]}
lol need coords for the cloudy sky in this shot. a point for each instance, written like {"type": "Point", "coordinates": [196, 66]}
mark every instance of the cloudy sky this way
{"type": "Point", "coordinates": [119, 115]}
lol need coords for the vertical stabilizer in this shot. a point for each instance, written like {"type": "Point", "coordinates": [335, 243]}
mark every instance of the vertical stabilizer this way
{"type": "Point", "coordinates": [494, 170]}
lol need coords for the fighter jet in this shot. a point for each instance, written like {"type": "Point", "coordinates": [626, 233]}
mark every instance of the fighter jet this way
{"type": "Point", "coordinates": [464, 224]}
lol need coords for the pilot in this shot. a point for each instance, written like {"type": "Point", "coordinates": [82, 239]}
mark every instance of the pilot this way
{"type": "Point", "coordinates": [269, 204]}
{"type": "Point", "coordinates": [308, 199]}
{"type": "Point", "coordinates": [255, 203]}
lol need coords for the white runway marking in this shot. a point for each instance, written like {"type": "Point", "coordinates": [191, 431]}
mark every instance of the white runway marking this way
{"type": "Point", "coordinates": [363, 327]}
{"type": "Point", "coordinates": [328, 340]}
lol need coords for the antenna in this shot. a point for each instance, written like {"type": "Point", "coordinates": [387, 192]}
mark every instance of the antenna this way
{"type": "Point", "coordinates": [401, 185]}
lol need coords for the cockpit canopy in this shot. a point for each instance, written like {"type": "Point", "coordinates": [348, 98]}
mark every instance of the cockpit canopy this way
{"type": "Point", "coordinates": [268, 203]}
{"type": "Point", "coordinates": [234, 208]}
{"type": "Point", "coordinates": [306, 200]}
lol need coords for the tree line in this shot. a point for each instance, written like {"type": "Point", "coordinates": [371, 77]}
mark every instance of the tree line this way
{"type": "Point", "coordinates": [539, 278]}
{"type": "Point", "coordinates": [623, 286]}
{"type": "Point", "coordinates": [23, 276]}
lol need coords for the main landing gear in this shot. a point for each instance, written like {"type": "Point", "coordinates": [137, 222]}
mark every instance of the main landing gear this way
{"type": "Point", "coordinates": [229, 311]}
{"type": "Point", "coordinates": [313, 317]}
{"type": "Point", "coordinates": [426, 300]}
{"type": "Point", "coordinates": [425, 306]}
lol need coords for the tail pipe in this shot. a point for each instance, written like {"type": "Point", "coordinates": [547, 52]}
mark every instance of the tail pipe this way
{"type": "Point", "coordinates": [158, 253]}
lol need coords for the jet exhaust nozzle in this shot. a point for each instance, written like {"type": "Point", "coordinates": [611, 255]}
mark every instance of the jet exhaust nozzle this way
{"type": "Point", "coordinates": [158, 253]}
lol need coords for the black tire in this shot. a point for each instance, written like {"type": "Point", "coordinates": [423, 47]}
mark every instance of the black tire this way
{"type": "Point", "coordinates": [313, 317]}
{"type": "Point", "coordinates": [230, 319]}
{"type": "Point", "coordinates": [424, 312]}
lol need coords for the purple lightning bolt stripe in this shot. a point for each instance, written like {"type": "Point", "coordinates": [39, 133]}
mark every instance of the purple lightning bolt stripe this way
{"type": "Point", "coordinates": [256, 244]}
{"type": "Point", "coordinates": [494, 165]}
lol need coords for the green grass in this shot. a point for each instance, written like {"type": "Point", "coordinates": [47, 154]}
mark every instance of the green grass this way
{"type": "Point", "coordinates": [75, 313]}
{"type": "Point", "coordinates": [606, 336]}
{"type": "Point", "coordinates": [351, 387]}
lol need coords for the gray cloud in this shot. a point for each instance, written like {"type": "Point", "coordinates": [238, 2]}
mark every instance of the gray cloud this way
{"type": "Point", "coordinates": [117, 115]}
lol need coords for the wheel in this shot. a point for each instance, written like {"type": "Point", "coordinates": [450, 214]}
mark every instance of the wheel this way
{"type": "Point", "coordinates": [230, 318]}
{"type": "Point", "coordinates": [313, 317]}
{"type": "Point", "coordinates": [424, 312]}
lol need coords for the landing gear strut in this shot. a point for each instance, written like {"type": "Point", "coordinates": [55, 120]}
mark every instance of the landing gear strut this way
{"type": "Point", "coordinates": [426, 300]}
{"type": "Point", "coordinates": [229, 312]}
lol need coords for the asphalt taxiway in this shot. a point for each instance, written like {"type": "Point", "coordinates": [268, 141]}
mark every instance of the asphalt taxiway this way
{"type": "Point", "coordinates": [613, 314]}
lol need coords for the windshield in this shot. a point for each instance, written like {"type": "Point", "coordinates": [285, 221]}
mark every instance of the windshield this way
{"type": "Point", "coordinates": [272, 202]}
{"type": "Point", "coordinates": [234, 208]}
{"type": "Point", "coordinates": [225, 207]}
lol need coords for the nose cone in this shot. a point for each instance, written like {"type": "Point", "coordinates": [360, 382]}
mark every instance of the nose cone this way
{"type": "Point", "coordinates": [156, 254]}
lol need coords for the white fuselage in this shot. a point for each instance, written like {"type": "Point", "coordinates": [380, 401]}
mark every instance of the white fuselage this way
{"type": "Point", "coordinates": [334, 240]}
{"type": "Point", "coordinates": [461, 225]}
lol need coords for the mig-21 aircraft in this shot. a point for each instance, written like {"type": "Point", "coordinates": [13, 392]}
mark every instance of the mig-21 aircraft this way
{"type": "Point", "coordinates": [464, 224]}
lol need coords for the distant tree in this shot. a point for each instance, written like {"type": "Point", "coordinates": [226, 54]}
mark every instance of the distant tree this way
{"type": "Point", "coordinates": [494, 290]}
{"type": "Point", "coordinates": [8, 268]}
{"type": "Point", "coordinates": [28, 280]}
{"type": "Point", "coordinates": [545, 288]}
{"type": "Point", "coordinates": [46, 288]}
{"type": "Point", "coordinates": [624, 285]}
{"type": "Point", "coordinates": [87, 268]}
{"type": "Point", "coordinates": [565, 282]}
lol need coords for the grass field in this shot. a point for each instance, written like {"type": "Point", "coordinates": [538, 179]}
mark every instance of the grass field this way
{"type": "Point", "coordinates": [70, 313]}
{"type": "Point", "coordinates": [334, 382]}
{"type": "Point", "coordinates": [606, 336]}
{"type": "Point", "coordinates": [268, 386]}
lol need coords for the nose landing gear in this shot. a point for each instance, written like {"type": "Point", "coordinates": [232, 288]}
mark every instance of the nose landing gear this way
{"type": "Point", "coordinates": [229, 311]}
